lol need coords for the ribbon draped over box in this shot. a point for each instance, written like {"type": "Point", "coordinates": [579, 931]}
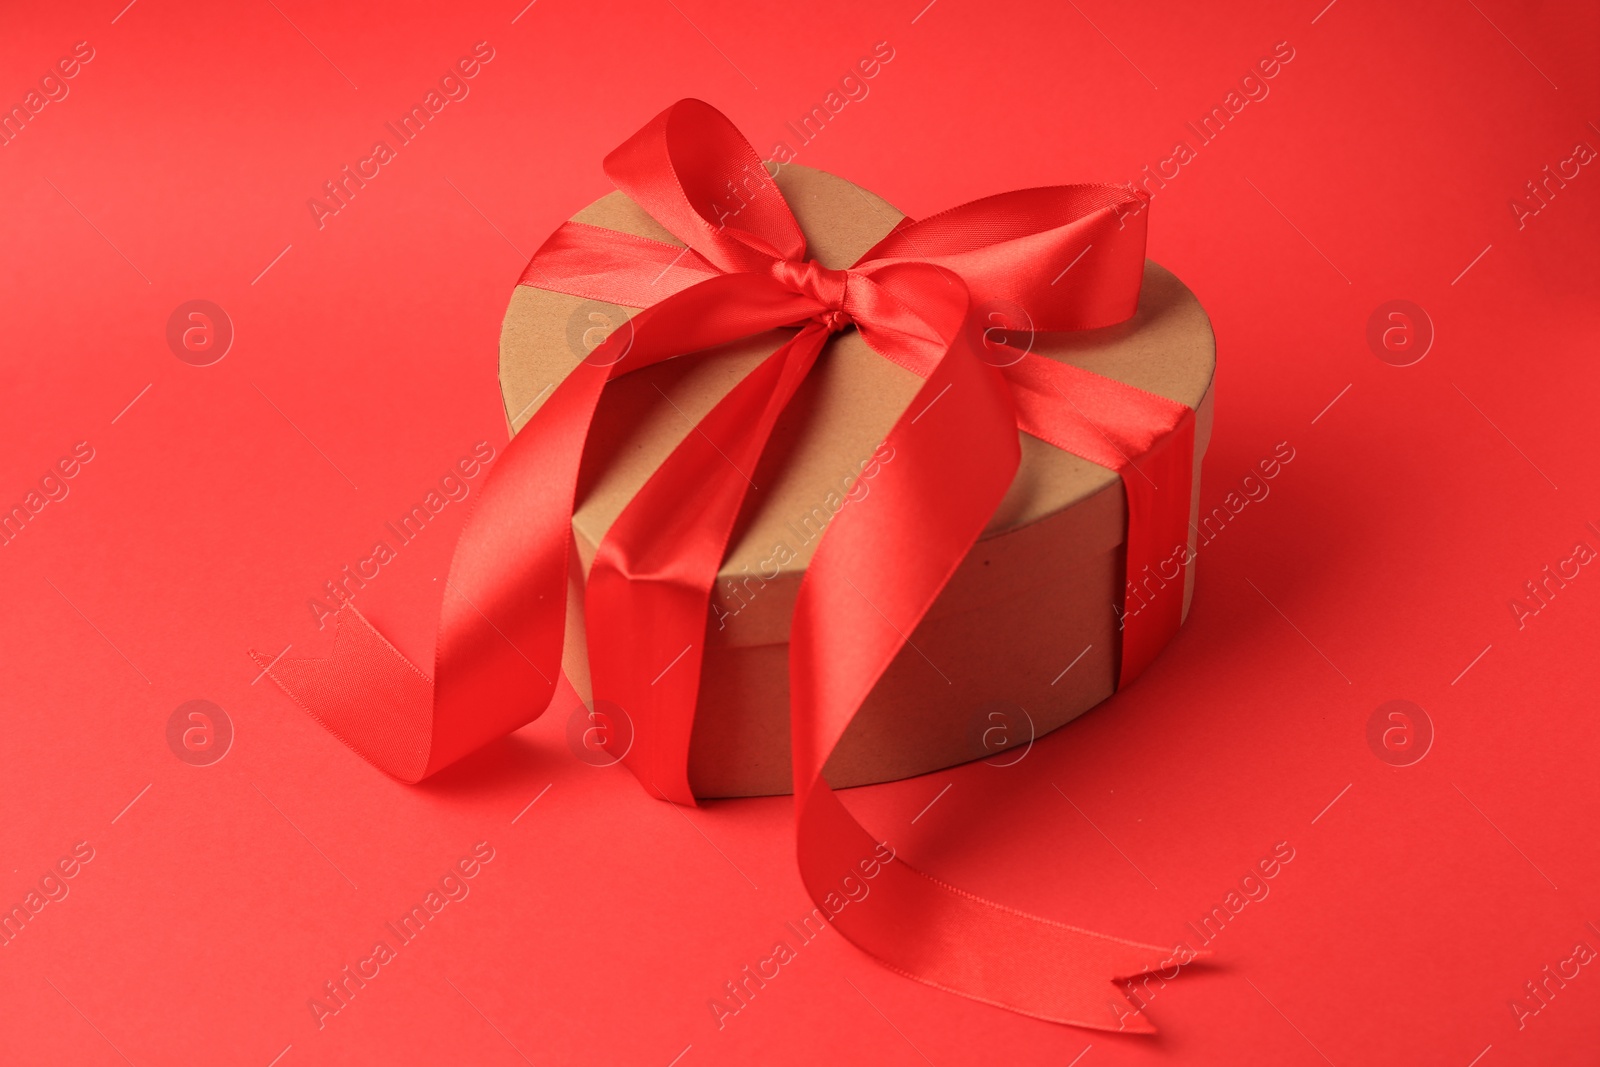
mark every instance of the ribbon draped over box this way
{"type": "Point", "coordinates": [874, 574]}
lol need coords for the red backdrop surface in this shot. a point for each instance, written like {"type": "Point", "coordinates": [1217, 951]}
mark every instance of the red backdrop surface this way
{"type": "Point", "coordinates": [1381, 565]}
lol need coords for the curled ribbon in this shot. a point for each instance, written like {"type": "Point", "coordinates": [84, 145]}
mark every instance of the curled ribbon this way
{"type": "Point", "coordinates": [874, 574]}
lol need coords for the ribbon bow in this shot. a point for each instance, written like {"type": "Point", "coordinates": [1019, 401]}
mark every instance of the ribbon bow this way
{"type": "Point", "coordinates": [874, 574]}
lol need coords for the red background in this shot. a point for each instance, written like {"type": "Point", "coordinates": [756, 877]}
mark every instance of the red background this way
{"type": "Point", "coordinates": [179, 166]}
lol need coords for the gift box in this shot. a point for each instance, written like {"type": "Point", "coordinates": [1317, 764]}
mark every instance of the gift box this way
{"type": "Point", "coordinates": [844, 510]}
{"type": "Point", "coordinates": [1025, 635]}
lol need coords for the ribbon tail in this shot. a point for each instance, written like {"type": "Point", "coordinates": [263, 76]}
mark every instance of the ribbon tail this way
{"type": "Point", "coordinates": [954, 940]}
{"type": "Point", "coordinates": [500, 627]}
{"type": "Point", "coordinates": [503, 612]}
{"type": "Point", "coordinates": [958, 441]}
{"type": "Point", "coordinates": [650, 585]}
{"type": "Point", "coordinates": [366, 693]}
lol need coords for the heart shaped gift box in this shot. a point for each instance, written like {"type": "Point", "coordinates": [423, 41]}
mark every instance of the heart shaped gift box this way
{"type": "Point", "coordinates": [1025, 636]}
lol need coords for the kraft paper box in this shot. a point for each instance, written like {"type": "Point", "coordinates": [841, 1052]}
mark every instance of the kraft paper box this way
{"type": "Point", "coordinates": [1036, 595]}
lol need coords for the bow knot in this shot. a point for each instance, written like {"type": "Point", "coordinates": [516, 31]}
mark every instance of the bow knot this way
{"type": "Point", "coordinates": [830, 288]}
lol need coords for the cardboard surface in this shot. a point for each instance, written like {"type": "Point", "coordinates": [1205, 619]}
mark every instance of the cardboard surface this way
{"type": "Point", "coordinates": [1043, 580]}
{"type": "Point", "coordinates": [1380, 564]}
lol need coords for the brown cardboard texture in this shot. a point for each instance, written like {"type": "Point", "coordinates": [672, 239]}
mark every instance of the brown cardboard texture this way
{"type": "Point", "coordinates": [1034, 595]}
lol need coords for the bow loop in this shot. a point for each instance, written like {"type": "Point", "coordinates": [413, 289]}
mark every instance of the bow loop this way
{"type": "Point", "coordinates": [1070, 256]}
{"type": "Point", "coordinates": [717, 196]}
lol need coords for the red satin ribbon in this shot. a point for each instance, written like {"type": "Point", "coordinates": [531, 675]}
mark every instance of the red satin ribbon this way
{"type": "Point", "coordinates": [874, 574]}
